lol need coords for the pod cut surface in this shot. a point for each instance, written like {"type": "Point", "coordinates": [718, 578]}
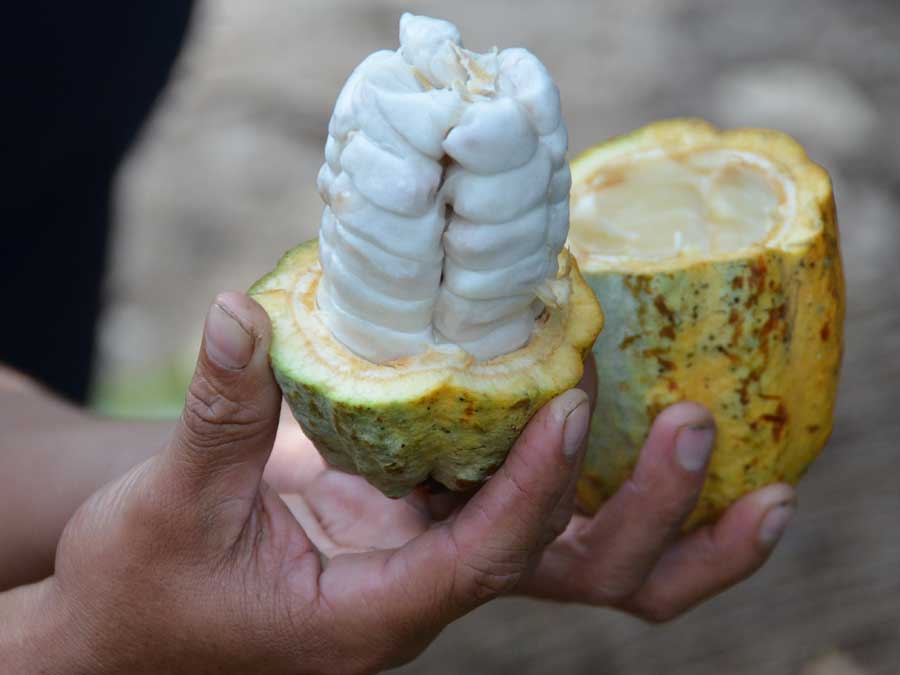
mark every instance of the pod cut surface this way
{"type": "Point", "coordinates": [715, 256]}
{"type": "Point", "coordinates": [440, 414]}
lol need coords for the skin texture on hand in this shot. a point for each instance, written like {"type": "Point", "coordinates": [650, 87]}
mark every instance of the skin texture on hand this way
{"type": "Point", "coordinates": [191, 562]}
{"type": "Point", "coordinates": [210, 556]}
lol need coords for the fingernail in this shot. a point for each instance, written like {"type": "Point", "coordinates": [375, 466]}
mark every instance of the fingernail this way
{"type": "Point", "coordinates": [693, 446]}
{"type": "Point", "coordinates": [227, 342]}
{"type": "Point", "coordinates": [774, 524]}
{"type": "Point", "coordinates": [574, 406]}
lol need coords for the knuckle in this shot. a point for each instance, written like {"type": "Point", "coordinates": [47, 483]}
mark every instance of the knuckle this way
{"type": "Point", "coordinates": [209, 411]}
{"type": "Point", "coordinates": [668, 504]}
{"type": "Point", "coordinates": [614, 583]}
{"type": "Point", "coordinates": [520, 489]}
{"type": "Point", "coordinates": [636, 488]}
{"type": "Point", "coordinates": [707, 551]}
{"type": "Point", "coordinates": [208, 404]}
{"type": "Point", "coordinates": [485, 584]}
{"type": "Point", "coordinates": [483, 578]}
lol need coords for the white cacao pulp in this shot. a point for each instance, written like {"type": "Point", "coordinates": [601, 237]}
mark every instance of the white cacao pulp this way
{"type": "Point", "coordinates": [447, 198]}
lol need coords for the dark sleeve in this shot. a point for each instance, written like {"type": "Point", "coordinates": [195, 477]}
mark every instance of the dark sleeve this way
{"type": "Point", "coordinates": [83, 78]}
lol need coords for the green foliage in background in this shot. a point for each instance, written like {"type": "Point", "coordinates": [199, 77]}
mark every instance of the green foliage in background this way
{"type": "Point", "coordinates": [151, 394]}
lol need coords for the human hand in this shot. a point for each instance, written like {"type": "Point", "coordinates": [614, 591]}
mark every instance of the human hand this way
{"type": "Point", "coordinates": [191, 562]}
{"type": "Point", "coordinates": [630, 555]}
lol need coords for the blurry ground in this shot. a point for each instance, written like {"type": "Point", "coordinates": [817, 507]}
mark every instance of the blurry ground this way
{"type": "Point", "coordinates": [224, 181]}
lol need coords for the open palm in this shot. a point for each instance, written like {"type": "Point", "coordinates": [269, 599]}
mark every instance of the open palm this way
{"type": "Point", "coordinates": [342, 513]}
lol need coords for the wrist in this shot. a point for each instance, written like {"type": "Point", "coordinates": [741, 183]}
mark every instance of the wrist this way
{"type": "Point", "coordinates": [37, 633]}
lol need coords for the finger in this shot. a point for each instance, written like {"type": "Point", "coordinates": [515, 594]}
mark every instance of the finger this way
{"type": "Point", "coordinates": [711, 559]}
{"type": "Point", "coordinates": [562, 514]}
{"type": "Point", "coordinates": [498, 533]}
{"type": "Point", "coordinates": [227, 428]}
{"type": "Point", "coordinates": [504, 524]}
{"type": "Point", "coordinates": [629, 533]}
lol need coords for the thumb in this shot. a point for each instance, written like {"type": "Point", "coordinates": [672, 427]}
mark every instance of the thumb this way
{"type": "Point", "coordinates": [230, 417]}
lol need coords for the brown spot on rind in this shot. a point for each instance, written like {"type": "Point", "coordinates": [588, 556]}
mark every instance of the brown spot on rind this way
{"type": "Point", "coordinates": [637, 286]}
{"type": "Point", "coordinates": [660, 303]}
{"type": "Point", "coordinates": [757, 280]}
{"type": "Point", "coordinates": [665, 364]}
{"type": "Point", "coordinates": [737, 283]}
{"type": "Point", "coordinates": [743, 392]}
{"type": "Point", "coordinates": [825, 332]}
{"type": "Point", "coordinates": [627, 341]}
{"type": "Point", "coordinates": [733, 358]}
{"type": "Point", "coordinates": [657, 354]}
{"type": "Point", "coordinates": [776, 315]}
{"type": "Point", "coordinates": [778, 420]}
{"type": "Point", "coordinates": [667, 332]}
{"type": "Point", "coordinates": [734, 319]}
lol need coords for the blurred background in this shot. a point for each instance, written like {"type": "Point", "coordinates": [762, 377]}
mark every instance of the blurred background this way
{"type": "Point", "coordinates": [222, 181]}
